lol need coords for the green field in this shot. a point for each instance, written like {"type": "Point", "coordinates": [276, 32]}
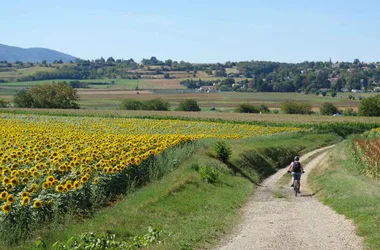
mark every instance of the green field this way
{"type": "Point", "coordinates": [18, 73]}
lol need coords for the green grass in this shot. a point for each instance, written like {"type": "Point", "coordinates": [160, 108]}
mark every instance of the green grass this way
{"type": "Point", "coordinates": [353, 195]}
{"type": "Point", "coordinates": [196, 213]}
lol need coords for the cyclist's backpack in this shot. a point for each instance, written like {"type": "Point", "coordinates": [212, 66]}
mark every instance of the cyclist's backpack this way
{"type": "Point", "coordinates": [296, 167]}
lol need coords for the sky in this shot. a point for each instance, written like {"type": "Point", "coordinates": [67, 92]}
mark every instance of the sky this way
{"type": "Point", "coordinates": [198, 31]}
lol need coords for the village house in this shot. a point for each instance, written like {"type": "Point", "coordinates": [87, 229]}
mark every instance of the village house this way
{"type": "Point", "coordinates": [208, 89]}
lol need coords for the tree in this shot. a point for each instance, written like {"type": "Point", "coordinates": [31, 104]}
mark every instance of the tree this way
{"type": "Point", "coordinates": [60, 96]}
{"type": "Point", "coordinates": [333, 94]}
{"type": "Point", "coordinates": [110, 60]}
{"type": "Point", "coordinates": [370, 106]}
{"type": "Point", "coordinates": [166, 76]}
{"type": "Point", "coordinates": [168, 62]}
{"type": "Point", "coordinates": [189, 105]}
{"type": "Point", "coordinates": [328, 109]}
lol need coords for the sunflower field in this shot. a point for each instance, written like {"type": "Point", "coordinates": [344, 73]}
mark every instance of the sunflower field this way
{"type": "Point", "coordinates": [55, 165]}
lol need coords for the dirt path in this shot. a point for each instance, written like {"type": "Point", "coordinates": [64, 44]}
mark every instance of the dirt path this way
{"type": "Point", "coordinates": [291, 222]}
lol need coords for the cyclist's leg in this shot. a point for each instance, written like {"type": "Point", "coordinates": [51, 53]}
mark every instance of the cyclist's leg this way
{"type": "Point", "coordinates": [298, 177]}
{"type": "Point", "coordinates": [292, 180]}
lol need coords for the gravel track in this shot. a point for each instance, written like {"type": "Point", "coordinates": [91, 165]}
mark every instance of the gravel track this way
{"type": "Point", "coordinates": [293, 222]}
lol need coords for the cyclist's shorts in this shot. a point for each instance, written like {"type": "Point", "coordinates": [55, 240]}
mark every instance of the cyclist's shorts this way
{"type": "Point", "coordinates": [297, 175]}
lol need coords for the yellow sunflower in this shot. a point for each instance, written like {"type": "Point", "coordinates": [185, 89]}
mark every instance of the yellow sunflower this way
{"type": "Point", "coordinates": [76, 184]}
{"type": "Point", "coordinates": [25, 200]}
{"type": "Point", "coordinates": [3, 195]}
{"type": "Point", "coordinates": [6, 208]}
{"type": "Point", "coordinates": [59, 188]}
{"type": "Point", "coordinates": [37, 204]}
{"type": "Point", "coordinates": [10, 198]}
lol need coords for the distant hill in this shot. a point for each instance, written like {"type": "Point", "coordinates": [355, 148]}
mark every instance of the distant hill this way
{"type": "Point", "coordinates": [12, 54]}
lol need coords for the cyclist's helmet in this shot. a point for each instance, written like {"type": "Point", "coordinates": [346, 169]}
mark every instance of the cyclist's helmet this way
{"type": "Point", "coordinates": [297, 158]}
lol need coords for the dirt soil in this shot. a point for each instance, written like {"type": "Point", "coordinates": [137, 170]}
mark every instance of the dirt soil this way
{"type": "Point", "coordinates": [291, 222]}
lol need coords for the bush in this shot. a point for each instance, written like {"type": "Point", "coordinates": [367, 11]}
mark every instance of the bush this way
{"type": "Point", "coordinates": [223, 152]}
{"type": "Point", "coordinates": [349, 112]}
{"type": "Point", "coordinates": [328, 109]}
{"type": "Point", "coordinates": [247, 108]}
{"type": "Point", "coordinates": [4, 104]}
{"type": "Point", "coordinates": [156, 104]}
{"type": "Point", "coordinates": [264, 109]}
{"type": "Point", "coordinates": [370, 106]}
{"type": "Point", "coordinates": [292, 107]}
{"type": "Point", "coordinates": [130, 104]}
{"type": "Point", "coordinates": [208, 174]}
{"type": "Point", "coordinates": [189, 105]}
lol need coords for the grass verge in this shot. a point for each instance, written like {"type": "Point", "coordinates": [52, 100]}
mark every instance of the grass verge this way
{"type": "Point", "coordinates": [349, 193]}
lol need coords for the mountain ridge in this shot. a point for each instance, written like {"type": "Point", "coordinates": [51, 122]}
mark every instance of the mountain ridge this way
{"type": "Point", "coordinates": [36, 54]}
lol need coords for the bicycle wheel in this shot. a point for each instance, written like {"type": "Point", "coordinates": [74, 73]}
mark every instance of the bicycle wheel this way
{"type": "Point", "coordinates": [296, 187]}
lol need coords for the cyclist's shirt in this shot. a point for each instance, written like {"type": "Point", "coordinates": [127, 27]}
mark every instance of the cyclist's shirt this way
{"type": "Point", "coordinates": [296, 166]}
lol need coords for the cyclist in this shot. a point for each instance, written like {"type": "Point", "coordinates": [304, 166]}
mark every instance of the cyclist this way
{"type": "Point", "coordinates": [296, 169]}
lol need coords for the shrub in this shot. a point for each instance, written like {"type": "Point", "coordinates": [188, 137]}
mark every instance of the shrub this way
{"type": "Point", "coordinates": [130, 104]}
{"type": "Point", "coordinates": [4, 104]}
{"type": "Point", "coordinates": [370, 106]}
{"type": "Point", "coordinates": [189, 105]}
{"type": "Point", "coordinates": [292, 107]}
{"type": "Point", "coordinates": [328, 109]}
{"type": "Point", "coordinates": [349, 112]}
{"type": "Point", "coordinates": [208, 174]}
{"type": "Point", "coordinates": [156, 104]}
{"type": "Point", "coordinates": [264, 109]}
{"type": "Point", "coordinates": [246, 108]}
{"type": "Point", "coordinates": [223, 152]}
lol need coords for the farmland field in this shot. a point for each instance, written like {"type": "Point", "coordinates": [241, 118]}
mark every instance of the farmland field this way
{"type": "Point", "coordinates": [17, 73]}
{"type": "Point", "coordinates": [52, 164]}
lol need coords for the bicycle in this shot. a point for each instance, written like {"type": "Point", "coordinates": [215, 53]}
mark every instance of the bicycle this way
{"type": "Point", "coordinates": [297, 183]}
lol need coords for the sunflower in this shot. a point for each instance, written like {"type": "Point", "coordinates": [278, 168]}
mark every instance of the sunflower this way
{"type": "Point", "coordinates": [24, 194]}
{"type": "Point", "coordinates": [96, 181]}
{"type": "Point", "coordinates": [10, 198]}
{"type": "Point", "coordinates": [84, 179]}
{"type": "Point", "coordinates": [3, 195]}
{"type": "Point", "coordinates": [25, 200]}
{"type": "Point", "coordinates": [37, 204]}
{"type": "Point", "coordinates": [45, 185]}
{"type": "Point", "coordinates": [59, 188]}
{"type": "Point", "coordinates": [76, 184]}
{"type": "Point", "coordinates": [6, 208]}
{"type": "Point", "coordinates": [25, 180]}
{"type": "Point", "coordinates": [50, 178]}
{"type": "Point", "coordinates": [6, 180]}
{"type": "Point", "coordinates": [14, 181]}
{"type": "Point", "coordinates": [68, 185]}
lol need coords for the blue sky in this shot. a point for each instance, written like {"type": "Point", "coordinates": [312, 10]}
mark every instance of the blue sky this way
{"type": "Point", "coordinates": [197, 31]}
